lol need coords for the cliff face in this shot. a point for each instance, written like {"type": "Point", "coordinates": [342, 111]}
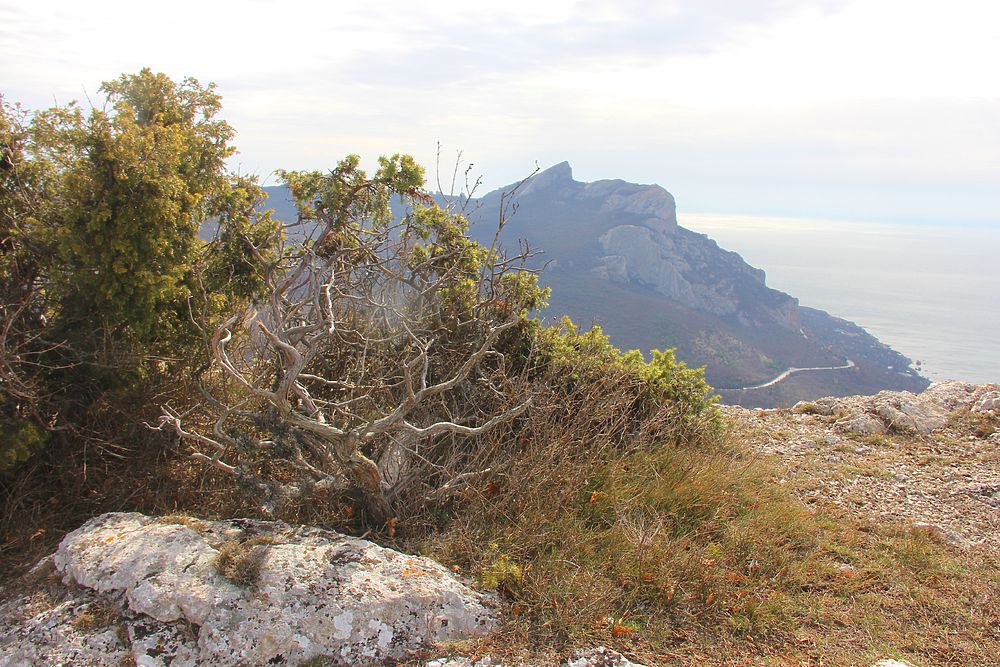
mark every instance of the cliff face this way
{"type": "Point", "coordinates": [692, 270]}
{"type": "Point", "coordinates": [614, 255]}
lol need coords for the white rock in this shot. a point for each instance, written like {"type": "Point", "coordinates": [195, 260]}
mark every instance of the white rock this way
{"type": "Point", "coordinates": [601, 657]}
{"type": "Point", "coordinates": [907, 412]}
{"type": "Point", "coordinates": [863, 424]}
{"type": "Point", "coordinates": [895, 419]}
{"type": "Point", "coordinates": [892, 663]}
{"type": "Point", "coordinates": [50, 636]}
{"type": "Point", "coordinates": [988, 403]}
{"type": "Point", "coordinates": [317, 593]}
{"type": "Point", "coordinates": [165, 569]}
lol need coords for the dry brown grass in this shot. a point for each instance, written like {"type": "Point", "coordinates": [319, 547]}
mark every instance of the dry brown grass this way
{"type": "Point", "coordinates": [96, 616]}
{"type": "Point", "coordinates": [688, 553]}
{"type": "Point", "coordinates": [241, 560]}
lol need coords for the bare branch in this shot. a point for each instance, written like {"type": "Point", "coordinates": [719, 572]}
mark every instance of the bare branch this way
{"type": "Point", "coordinates": [451, 427]}
{"type": "Point", "coordinates": [360, 340]}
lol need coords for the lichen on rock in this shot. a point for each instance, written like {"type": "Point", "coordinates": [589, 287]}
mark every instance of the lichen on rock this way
{"type": "Point", "coordinates": [315, 594]}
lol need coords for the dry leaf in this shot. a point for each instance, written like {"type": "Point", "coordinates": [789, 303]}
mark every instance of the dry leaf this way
{"type": "Point", "coordinates": [622, 631]}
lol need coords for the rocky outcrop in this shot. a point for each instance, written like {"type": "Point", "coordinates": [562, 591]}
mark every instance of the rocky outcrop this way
{"type": "Point", "coordinates": [903, 411]}
{"type": "Point", "coordinates": [188, 592]}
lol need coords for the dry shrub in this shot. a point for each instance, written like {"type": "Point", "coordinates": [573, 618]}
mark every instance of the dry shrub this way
{"type": "Point", "coordinates": [97, 616]}
{"type": "Point", "coordinates": [240, 560]}
{"type": "Point", "coordinates": [580, 503]}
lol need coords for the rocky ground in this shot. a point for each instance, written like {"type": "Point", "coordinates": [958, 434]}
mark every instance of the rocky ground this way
{"type": "Point", "coordinates": [930, 459]}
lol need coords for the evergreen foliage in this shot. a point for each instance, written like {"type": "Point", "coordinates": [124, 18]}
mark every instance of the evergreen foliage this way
{"type": "Point", "coordinates": [590, 356]}
{"type": "Point", "coordinates": [101, 261]}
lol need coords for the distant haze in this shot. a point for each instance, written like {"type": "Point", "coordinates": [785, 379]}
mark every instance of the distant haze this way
{"type": "Point", "coordinates": [864, 109]}
{"type": "Point", "coordinates": [932, 292]}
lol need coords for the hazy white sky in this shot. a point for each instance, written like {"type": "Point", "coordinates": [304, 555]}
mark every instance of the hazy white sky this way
{"type": "Point", "coordinates": [877, 109]}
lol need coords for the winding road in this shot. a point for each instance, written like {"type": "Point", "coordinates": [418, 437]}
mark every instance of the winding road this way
{"type": "Point", "coordinates": [790, 371]}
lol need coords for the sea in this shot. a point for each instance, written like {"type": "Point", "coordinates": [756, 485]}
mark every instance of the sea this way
{"type": "Point", "coordinates": [929, 291]}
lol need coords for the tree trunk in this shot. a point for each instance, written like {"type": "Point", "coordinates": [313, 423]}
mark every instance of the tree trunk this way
{"type": "Point", "coordinates": [366, 477]}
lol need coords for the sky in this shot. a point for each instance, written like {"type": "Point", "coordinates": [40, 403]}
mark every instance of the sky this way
{"type": "Point", "coordinates": [873, 109]}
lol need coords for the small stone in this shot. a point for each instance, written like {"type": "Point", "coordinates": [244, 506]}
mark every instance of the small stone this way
{"type": "Point", "coordinates": [988, 403]}
{"type": "Point", "coordinates": [601, 657]}
{"type": "Point", "coordinates": [892, 663]}
{"type": "Point", "coordinates": [896, 419]}
{"type": "Point", "coordinates": [863, 424]}
{"type": "Point", "coordinates": [813, 408]}
{"type": "Point", "coordinates": [952, 537]}
{"type": "Point", "coordinates": [802, 445]}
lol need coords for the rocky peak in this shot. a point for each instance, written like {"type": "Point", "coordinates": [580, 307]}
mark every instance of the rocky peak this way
{"type": "Point", "coordinates": [556, 176]}
{"type": "Point", "coordinates": [648, 206]}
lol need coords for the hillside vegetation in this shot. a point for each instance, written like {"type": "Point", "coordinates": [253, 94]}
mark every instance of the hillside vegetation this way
{"type": "Point", "coordinates": [392, 378]}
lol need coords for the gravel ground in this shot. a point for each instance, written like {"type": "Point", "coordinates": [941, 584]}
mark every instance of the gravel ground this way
{"type": "Point", "coordinates": [946, 480]}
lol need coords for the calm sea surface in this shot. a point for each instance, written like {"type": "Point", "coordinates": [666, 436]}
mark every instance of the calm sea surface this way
{"type": "Point", "coordinates": [931, 292]}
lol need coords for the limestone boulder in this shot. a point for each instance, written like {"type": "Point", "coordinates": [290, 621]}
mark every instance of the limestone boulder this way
{"type": "Point", "coordinates": [904, 412]}
{"type": "Point", "coordinates": [60, 630]}
{"type": "Point", "coordinates": [293, 594]}
{"type": "Point", "coordinates": [990, 402]}
{"type": "Point", "coordinates": [861, 424]}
